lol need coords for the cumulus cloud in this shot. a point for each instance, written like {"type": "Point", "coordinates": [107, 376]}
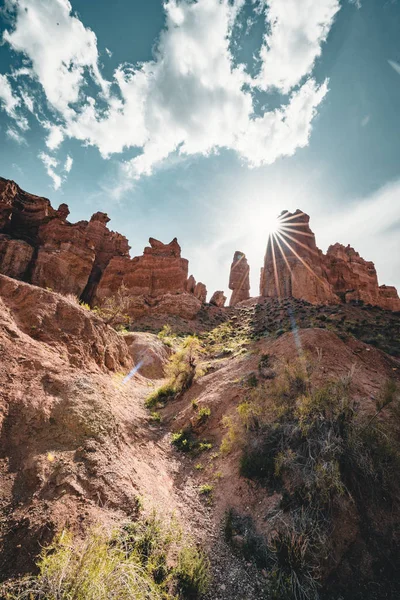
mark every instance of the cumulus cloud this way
{"type": "Point", "coordinates": [297, 29]}
{"type": "Point", "coordinates": [59, 47]}
{"type": "Point", "coordinates": [191, 98]}
{"type": "Point", "coordinates": [55, 135]}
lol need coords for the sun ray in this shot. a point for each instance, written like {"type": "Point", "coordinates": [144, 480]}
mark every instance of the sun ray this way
{"type": "Point", "coordinates": [295, 216]}
{"type": "Point", "coordinates": [300, 259]}
{"type": "Point", "coordinates": [298, 242]}
{"type": "Point", "coordinates": [288, 228]}
{"type": "Point", "coordinates": [278, 289]}
{"type": "Point", "coordinates": [284, 256]}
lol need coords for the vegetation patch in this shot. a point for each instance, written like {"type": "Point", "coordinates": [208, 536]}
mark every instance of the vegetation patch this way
{"type": "Point", "coordinates": [142, 560]}
{"type": "Point", "coordinates": [312, 445]}
{"type": "Point", "coordinates": [181, 371]}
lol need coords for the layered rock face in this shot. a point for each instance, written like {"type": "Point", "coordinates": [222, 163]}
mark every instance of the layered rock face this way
{"type": "Point", "coordinates": [39, 245]}
{"type": "Point", "coordinates": [295, 267]}
{"type": "Point", "coordinates": [157, 281]}
{"type": "Point", "coordinates": [239, 279]}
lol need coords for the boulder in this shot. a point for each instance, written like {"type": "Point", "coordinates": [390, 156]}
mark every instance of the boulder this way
{"type": "Point", "coordinates": [148, 353]}
{"type": "Point", "coordinates": [218, 299]}
{"type": "Point", "coordinates": [200, 292]}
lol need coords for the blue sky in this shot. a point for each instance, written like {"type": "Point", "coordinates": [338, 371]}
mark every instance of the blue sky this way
{"type": "Point", "coordinates": [203, 120]}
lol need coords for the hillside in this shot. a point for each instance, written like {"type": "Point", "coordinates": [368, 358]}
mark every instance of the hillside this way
{"type": "Point", "coordinates": [79, 448]}
{"type": "Point", "coordinates": [157, 446]}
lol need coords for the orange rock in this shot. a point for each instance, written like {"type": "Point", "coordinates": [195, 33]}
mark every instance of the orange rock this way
{"type": "Point", "coordinates": [239, 279]}
{"type": "Point", "coordinates": [15, 257]}
{"type": "Point", "coordinates": [218, 299]}
{"type": "Point", "coordinates": [295, 267]}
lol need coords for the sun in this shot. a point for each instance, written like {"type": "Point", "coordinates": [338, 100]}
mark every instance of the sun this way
{"type": "Point", "coordinates": [275, 225]}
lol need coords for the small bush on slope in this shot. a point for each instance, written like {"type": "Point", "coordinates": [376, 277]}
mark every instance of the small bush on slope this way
{"type": "Point", "coordinates": [312, 445]}
{"type": "Point", "coordinates": [181, 371]}
{"type": "Point", "coordinates": [114, 309]}
{"type": "Point", "coordinates": [141, 561]}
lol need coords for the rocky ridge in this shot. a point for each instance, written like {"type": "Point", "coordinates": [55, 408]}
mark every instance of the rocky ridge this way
{"type": "Point", "coordinates": [39, 245]}
{"type": "Point", "coordinates": [295, 267]}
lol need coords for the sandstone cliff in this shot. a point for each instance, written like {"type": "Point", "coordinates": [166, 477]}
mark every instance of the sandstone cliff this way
{"type": "Point", "coordinates": [40, 246]}
{"type": "Point", "coordinates": [295, 267]}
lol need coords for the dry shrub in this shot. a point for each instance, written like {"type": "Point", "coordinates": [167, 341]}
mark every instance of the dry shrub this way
{"type": "Point", "coordinates": [312, 444]}
{"type": "Point", "coordinates": [144, 560]}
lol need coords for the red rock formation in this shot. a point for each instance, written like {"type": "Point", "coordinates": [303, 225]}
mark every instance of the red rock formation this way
{"type": "Point", "coordinates": [200, 292]}
{"type": "Point", "coordinates": [190, 285]}
{"type": "Point", "coordinates": [218, 299]}
{"type": "Point", "coordinates": [239, 279]}
{"type": "Point", "coordinates": [69, 258]}
{"type": "Point", "coordinates": [295, 266]}
{"type": "Point", "coordinates": [15, 257]}
{"type": "Point", "coordinates": [389, 298]}
{"type": "Point", "coordinates": [21, 213]}
{"type": "Point", "coordinates": [160, 270]}
{"type": "Point", "coordinates": [65, 258]}
{"type": "Point", "coordinates": [157, 281]}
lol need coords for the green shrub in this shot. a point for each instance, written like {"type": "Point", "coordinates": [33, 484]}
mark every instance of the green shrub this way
{"type": "Point", "coordinates": [312, 444]}
{"type": "Point", "coordinates": [191, 572]}
{"type": "Point", "coordinates": [206, 489]}
{"type": "Point", "coordinates": [181, 372]}
{"type": "Point", "coordinates": [183, 440]}
{"type": "Point", "coordinates": [160, 396]}
{"type": "Point", "coordinates": [143, 560]}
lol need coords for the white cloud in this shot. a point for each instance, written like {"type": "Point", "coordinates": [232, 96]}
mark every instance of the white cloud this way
{"type": "Point", "coordinates": [51, 164]}
{"type": "Point", "coordinates": [109, 53]}
{"type": "Point", "coordinates": [11, 102]}
{"type": "Point", "coordinates": [55, 136]}
{"type": "Point", "coordinates": [59, 47]}
{"type": "Point", "coordinates": [13, 134]}
{"type": "Point", "coordinates": [298, 29]}
{"type": "Point", "coordinates": [68, 164]}
{"type": "Point", "coordinates": [191, 99]}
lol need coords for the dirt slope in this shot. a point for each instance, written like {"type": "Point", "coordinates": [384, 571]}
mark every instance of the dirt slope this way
{"type": "Point", "coordinates": [77, 446]}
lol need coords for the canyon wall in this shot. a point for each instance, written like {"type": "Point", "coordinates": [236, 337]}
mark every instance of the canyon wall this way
{"type": "Point", "coordinates": [295, 267]}
{"type": "Point", "coordinates": [86, 259]}
{"type": "Point", "coordinates": [40, 246]}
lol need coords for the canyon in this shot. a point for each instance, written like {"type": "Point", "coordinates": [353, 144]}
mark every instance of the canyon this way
{"type": "Point", "coordinates": [234, 420]}
{"type": "Point", "coordinates": [39, 245]}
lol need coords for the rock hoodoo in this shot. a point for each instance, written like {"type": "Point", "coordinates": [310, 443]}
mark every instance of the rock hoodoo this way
{"type": "Point", "coordinates": [86, 259]}
{"type": "Point", "coordinates": [295, 267]}
{"type": "Point", "coordinates": [39, 245]}
{"type": "Point", "coordinates": [239, 279]}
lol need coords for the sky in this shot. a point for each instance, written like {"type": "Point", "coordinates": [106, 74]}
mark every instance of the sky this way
{"type": "Point", "coordinates": [204, 120]}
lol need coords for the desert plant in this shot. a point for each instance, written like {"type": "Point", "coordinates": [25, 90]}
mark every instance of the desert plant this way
{"type": "Point", "coordinates": [312, 444]}
{"type": "Point", "coordinates": [143, 560]}
{"type": "Point", "coordinates": [114, 309]}
{"type": "Point", "coordinates": [181, 372]}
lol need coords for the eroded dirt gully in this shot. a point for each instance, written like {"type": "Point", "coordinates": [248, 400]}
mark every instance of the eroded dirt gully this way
{"type": "Point", "coordinates": [76, 445]}
{"type": "Point", "coordinates": [78, 448]}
